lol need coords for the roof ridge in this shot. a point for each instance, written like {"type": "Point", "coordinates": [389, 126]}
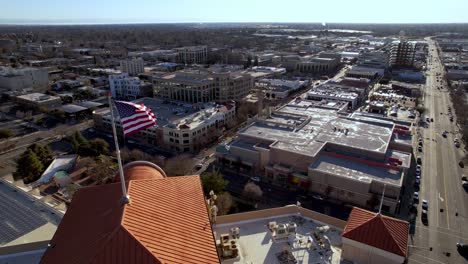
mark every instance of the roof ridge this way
{"type": "Point", "coordinates": [169, 177]}
{"type": "Point", "coordinates": [139, 242]}
{"type": "Point", "coordinates": [394, 238]}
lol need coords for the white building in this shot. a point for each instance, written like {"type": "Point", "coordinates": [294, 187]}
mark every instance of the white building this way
{"type": "Point", "coordinates": [132, 66]}
{"type": "Point", "coordinates": [277, 88]}
{"type": "Point", "coordinates": [13, 79]}
{"type": "Point", "coordinates": [129, 88]}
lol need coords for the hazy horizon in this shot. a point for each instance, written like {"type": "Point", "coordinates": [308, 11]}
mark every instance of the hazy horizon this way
{"type": "Point", "coordinates": [29, 12]}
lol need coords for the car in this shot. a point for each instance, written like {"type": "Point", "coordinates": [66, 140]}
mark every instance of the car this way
{"type": "Point", "coordinates": [419, 160]}
{"type": "Point", "coordinates": [418, 171]}
{"type": "Point", "coordinates": [461, 164]}
{"type": "Point", "coordinates": [198, 166]}
{"type": "Point", "coordinates": [462, 248]}
{"type": "Point", "coordinates": [255, 179]}
{"type": "Point", "coordinates": [420, 149]}
{"type": "Point", "coordinates": [416, 197]}
{"type": "Point", "coordinates": [425, 205]}
{"type": "Point", "coordinates": [432, 119]}
{"type": "Point", "coordinates": [420, 143]}
{"type": "Point", "coordinates": [444, 134]}
{"type": "Point", "coordinates": [457, 144]}
{"type": "Point", "coordinates": [424, 217]}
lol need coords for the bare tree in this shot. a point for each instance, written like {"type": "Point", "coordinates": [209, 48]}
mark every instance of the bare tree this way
{"type": "Point", "coordinates": [224, 203]}
{"type": "Point", "coordinates": [179, 165]}
{"type": "Point", "coordinates": [252, 192]}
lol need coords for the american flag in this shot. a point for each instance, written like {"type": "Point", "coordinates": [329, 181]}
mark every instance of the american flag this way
{"type": "Point", "coordinates": [134, 117]}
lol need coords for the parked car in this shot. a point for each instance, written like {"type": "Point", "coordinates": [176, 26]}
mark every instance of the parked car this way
{"type": "Point", "coordinates": [198, 166]}
{"type": "Point", "coordinates": [462, 248]}
{"type": "Point", "coordinates": [416, 197]}
{"type": "Point", "coordinates": [419, 160]}
{"type": "Point", "coordinates": [420, 149]}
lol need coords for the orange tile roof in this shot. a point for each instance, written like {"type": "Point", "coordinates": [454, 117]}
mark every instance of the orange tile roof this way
{"type": "Point", "coordinates": [166, 222]}
{"type": "Point", "coordinates": [383, 232]}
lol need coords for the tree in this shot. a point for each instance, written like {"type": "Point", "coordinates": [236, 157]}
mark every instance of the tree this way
{"type": "Point", "coordinates": [29, 167]}
{"type": "Point", "coordinates": [213, 181]}
{"type": "Point", "coordinates": [6, 133]}
{"type": "Point", "coordinates": [43, 153]}
{"type": "Point", "coordinates": [99, 146]}
{"type": "Point", "coordinates": [224, 203]}
{"type": "Point", "coordinates": [179, 165]}
{"type": "Point", "coordinates": [99, 168]}
{"type": "Point", "coordinates": [252, 192]}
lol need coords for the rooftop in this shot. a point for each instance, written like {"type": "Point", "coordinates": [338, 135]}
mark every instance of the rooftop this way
{"type": "Point", "coordinates": [38, 97]}
{"type": "Point", "coordinates": [23, 218]}
{"type": "Point", "coordinates": [152, 228]}
{"type": "Point", "coordinates": [315, 240]}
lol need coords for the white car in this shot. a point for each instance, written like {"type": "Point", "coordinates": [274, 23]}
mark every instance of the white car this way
{"type": "Point", "coordinates": [255, 179]}
{"type": "Point", "coordinates": [425, 205]}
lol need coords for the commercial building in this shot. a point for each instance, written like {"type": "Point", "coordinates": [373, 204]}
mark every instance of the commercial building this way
{"type": "Point", "coordinates": [204, 85]}
{"type": "Point", "coordinates": [192, 55]}
{"type": "Point", "coordinates": [14, 79]}
{"type": "Point", "coordinates": [279, 89]}
{"type": "Point", "coordinates": [36, 100]}
{"type": "Point", "coordinates": [132, 66]}
{"type": "Point", "coordinates": [316, 147]}
{"type": "Point", "coordinates": [374, 59]}
{"type": "Point", "coordinates": [350, 90]}
{"type": "Point", "coordinates": [333, 95]}
{"type": "Point", "coordinates": [318, 66]}
{"type": "Point", "coordinates": [123, 86]}
{"type": "Point", "coordinates": [180, 127]}
{"type": "Point", "coordinates": [402, 53]}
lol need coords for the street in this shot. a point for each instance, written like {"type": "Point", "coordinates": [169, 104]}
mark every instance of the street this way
{"type": "Point", "coordinates": [440, 178]}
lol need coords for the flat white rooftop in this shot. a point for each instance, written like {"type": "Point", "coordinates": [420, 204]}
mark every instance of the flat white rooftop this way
{"type": "Point", "coordinates": [256, 245]}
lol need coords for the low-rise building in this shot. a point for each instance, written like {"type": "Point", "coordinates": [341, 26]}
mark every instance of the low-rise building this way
{"type": "Point", "coordinates": [36, 100]}
{"type": "Point", "coordinates": [123, 86]}
{"type": "Point", "coordinates": [316, 147]}
{"type": "Point", "coordinates": [279, 89]}
{"type": "Point", "coordinates": [180, 127]}
{"type": "Point", "coordinates": [14, 79]}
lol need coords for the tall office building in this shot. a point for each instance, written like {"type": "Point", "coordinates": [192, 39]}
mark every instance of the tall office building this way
{"type": "Point", "coordinates": [402, 53]}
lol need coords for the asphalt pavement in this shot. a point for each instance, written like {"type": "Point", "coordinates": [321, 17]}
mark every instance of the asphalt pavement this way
{"type": "Point", "coordinates": [435, 242]}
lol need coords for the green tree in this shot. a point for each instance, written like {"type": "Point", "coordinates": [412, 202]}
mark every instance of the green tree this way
{"type": "Point", "coordinates": [43, 153]}
{"type": "Point", "coordinates": [213, 181]}
{"type": "Point", "coordinates": [6, 133]}
{"type": "Point", "coordinates": [29, 167]}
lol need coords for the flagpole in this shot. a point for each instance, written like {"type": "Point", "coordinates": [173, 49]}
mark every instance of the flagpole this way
{"type": "Point", "coordinates": [125, 197]}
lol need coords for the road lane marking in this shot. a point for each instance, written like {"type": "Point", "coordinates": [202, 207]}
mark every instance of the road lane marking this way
{"type": "Point", "coordinates": [430, 259]}
{"type": "Point", "coordinates": [440, 198]}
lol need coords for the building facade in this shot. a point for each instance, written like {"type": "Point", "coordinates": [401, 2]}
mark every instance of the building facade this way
{"type": "Point", "coordinates": [402, 53]}
{"type": "Point", "coordinates": [123, 86]}
{"type": "Point", "coordinates": [12, 79]}
{"type": "Point", "coordinates": [132, 66]}
{"type": "Point", "coordinates": [192, 54]}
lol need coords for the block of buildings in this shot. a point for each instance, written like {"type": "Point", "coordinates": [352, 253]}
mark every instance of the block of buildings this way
{"type": "Point", "coordinates": [132, 66]}
{"type": "Point", "coordinates": [180, 127]}
{"type": "Point", "coordinates": [122, 86]}
{"type": "Point", "coordinates": [36, 100]}
{"type": "Point", "coordinates": [15, 79]}
{"type": "Point", "coordinates": [316, 147]}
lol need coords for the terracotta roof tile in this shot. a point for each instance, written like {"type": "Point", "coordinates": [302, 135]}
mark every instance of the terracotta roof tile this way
{"type": "Point", "coordinates": [166, 222]}
{"type": "Point", "coordinates": [383, 232]}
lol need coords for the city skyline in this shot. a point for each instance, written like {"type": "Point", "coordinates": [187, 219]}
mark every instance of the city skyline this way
{"type": "Point", "coordinates": [188, 11]}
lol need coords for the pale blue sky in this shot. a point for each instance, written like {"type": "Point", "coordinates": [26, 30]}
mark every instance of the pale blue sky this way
{"type": "Point", "coordinates": [160, 11]}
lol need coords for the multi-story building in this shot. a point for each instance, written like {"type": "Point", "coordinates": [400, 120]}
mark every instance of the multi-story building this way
{"type": "Point", "coordinates": [125, 87]}
{"type": "Point", "coordinates": [15, 79]}
{"type": "Point", "coordinates": [180, 127]}
{"type": "Point", "coordinates": [203, 85]}
{"type": "Point", "coordinates": [317, 65]}
{"type": "Point", "coordinates": [316, 147]}
{"type": "Point", "coordinates": [192, 54]}
{"type": "Point", "coordinates": [402, 53]}
{"type": "Point", "coordinates": [279, 89]}
{"type": "Point", "coordinates": [132, 66]}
